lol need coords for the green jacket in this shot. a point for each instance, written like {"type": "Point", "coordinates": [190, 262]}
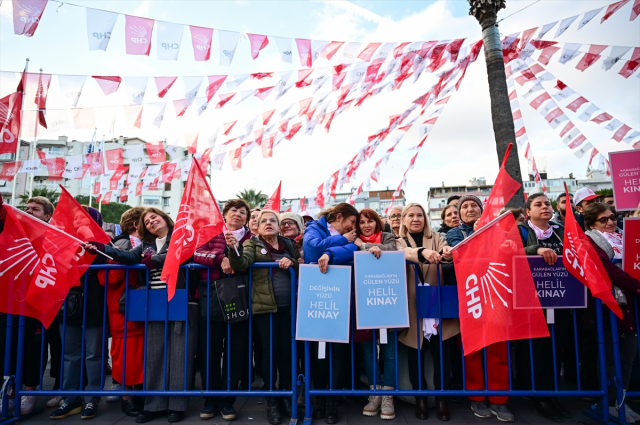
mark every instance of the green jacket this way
{"type": "Point", "coordinates": [262, 297]}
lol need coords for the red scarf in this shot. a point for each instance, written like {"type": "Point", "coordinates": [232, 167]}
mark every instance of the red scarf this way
{"type": "Point", "coordinates": [375, 238]}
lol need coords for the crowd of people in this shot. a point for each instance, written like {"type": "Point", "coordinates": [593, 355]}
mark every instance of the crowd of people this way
{"type": "Point", "coordinates": [220, 352]}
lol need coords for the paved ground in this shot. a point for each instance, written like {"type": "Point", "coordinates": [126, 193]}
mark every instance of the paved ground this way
{"type": "Point", "coordinates": [252, 411]}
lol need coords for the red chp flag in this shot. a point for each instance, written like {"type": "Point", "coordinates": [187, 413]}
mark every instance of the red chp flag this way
{"type": "Point", "coordinates": [10, 122]}
{"type": "Point", "coordinates": [503, 190]}
{"type": "Point", "coordinates": [273, 203]}
{"type": "Point", "coordinates": [485, 264]}
{"type": "Point", "coordinates": [199, 219]}
{"type": "Point", "coordinates": [35, 260]}
{"type": "Point", "coordinates": [582, 261]}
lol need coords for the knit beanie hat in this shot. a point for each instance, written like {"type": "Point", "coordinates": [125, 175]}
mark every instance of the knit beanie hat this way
{"type": "Point", "coordinates": [465, 198]}
{"type": "Point", "coordinates": [295, 217]}
{"type": "Point", "coordinates": [95, 215]}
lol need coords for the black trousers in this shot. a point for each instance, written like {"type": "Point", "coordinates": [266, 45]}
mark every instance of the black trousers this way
{"type": "Point", "coordinates": [443, 362]}
{"type": "Point", "coordinates": [274, 333]}
{"type": "Point", "coordinates": [53, 345]}
{"type": "Point", "coordinates": [32, 343]}
{"type": "Point", "coordinates": [216, 351]}
{"type": "Point", "coordinates": [320, 373]}
{"type": "Point", "coordinates": [543, 360]}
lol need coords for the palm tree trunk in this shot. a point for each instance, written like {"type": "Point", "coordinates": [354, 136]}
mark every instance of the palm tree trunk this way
{"type": "Point", "coordinates": [500, 105]}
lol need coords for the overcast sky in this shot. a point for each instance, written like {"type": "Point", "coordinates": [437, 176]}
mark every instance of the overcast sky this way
{"type": "Point", "coordinates": [461, 146]}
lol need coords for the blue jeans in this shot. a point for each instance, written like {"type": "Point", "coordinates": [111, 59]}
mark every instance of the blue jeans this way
{"type": "Point", "coordinates": [388, 353]}
{"type": "Point", "coordinates": [72, 359]}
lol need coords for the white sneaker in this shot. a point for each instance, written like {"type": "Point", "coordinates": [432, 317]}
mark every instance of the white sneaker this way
{"type": "Point", "coordinates": [27, 404]}
{"type": "Point", "coordinates": [631, 413]}
{"type": "Point", "coordinates": [628, 417]}
{"type": "Point", "coordinates": [54, 402]}
{"type": "Point", "coordinates": [114, 398]}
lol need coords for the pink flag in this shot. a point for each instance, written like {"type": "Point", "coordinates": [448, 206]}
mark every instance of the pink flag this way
{"type": "Point", "coordinates": [114, 159]}
{"type": "Point", "coordinates": [331, 49]}
{"type": "Point", "coordinates": [109, 85]}
{"type": "Point", "coordinates": [631, 65]}
{"type": "Point", "coordinates": [368, 51]}
{"type": "Point", "coordinates": [163, 84]}
{"type": "Point", "coordinates": [258, 42]}
{"type": "Point", "coordinates": [613, 8]}
{"type": "Point", "coordinates": [591, 57]}
{"type": "Point", "coordinates": [621, 132]}
{"type": "Point", "coordinates": [263, 92]}
{"type": "Point", "coordinates": [201, 40]}
{"type": "Point", "coordinates": [304, 50]}
{"type": "Point", "coordinates": [133, 115]}
{"type": "Point", "coordinates": [228, 126]}
{"type": "Point", "coordinates": [192, 142]}
{"type": "Point", "coordinates": [215, 82]}
{"type": "Point", "coordinates": [603, 117]}
{"type": "Point", "coordinates": [235, 157]}
{"type": "Point", "coordinates": [55, 167]}
{"type": "Point", "coordinates": [137, 34]}
{"type": "Point", "coordinates": [266, 116]}
{"type": "Point", "coordinates": [635, 10]}
{"type": "Point", "coordinates": [538, 101]}
{"type": "Point", "coordinates": [224, 98]}
{"type": "Point", "coordinates": [576, 104]}
{"type": "Point", "coordinates": [26, 16]}
{"type": "Point", "coordinates": [180, 106]}
{"type": "Point", "coordinates": [155, 152]}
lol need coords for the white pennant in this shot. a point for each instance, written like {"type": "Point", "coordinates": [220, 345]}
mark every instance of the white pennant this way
{"type": "Point", "coordinates": [106, 117]}
{"type": "Point", "coordinates": [136, 87]}
{"type": "Point", "coordinates": [317, 46]}
{"type": "Point", "coordinates": [191, 87]}
{"type": "Point", "coordinates": [135, 154]}
{"type": "Point", "coordinates": [172, 151]}
{"type": "Point", "coordinates": [384, 52]}
{"type": "Point", "coordinates": [99, 27]}
{"type": "Point", "coordinates": [588, 113]}
{"type": "Point", "coordinates": [349, 53]}
{"type": "Point", "coordinates": [228, 44]}
{"type": "Point", "coordinates": [564, 94]}
{"type": "Point", "coordinates": [284, 48]}
{"type": "Point", "coordinates": [587, 17]}
{"type": "Point", "coordinates": [70, 89]}
{"type": "Point", "coordinates": [202, 105]}
{"type": "Point", "coordinates": [569, 52]}
{"type": "Point", "coordinates": [57, 120]}
{"type": "Point", "coordinates": [613, 125]}
{"type": "Point", "coordinates": [30, 166]}
{"type": "Point", "coordinates": [169, 37]}
{"type": "Point", "coordinates": [234, 81]}
{"type": "Point", "coordinates": [545, 29]}
{"type": "Point", "coordinates": [218, 161]}
{"type": "Point", "coordinates": [583, 150]}
{"type": "Point", "coordinates": [73, 169]}
{"type": "Point", "coordinates": [564, 25]}
{"type": "Point", "coordinates": [617, 52]}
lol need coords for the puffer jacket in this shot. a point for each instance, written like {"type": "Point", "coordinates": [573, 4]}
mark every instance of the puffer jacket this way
{"type": "Point", "coordinates": [458, 234]}
{"type": "Point", "coordinates": [318, 241]}
{"type": "Point", "coordinates": [263, 299]}
{"type": "Point", "coordinates": [213, 252]}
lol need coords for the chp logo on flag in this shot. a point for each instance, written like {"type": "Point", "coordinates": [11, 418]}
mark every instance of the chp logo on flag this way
{"type": "Point", "coordinates": [25, 256]}
{"type": "Point", "coordinates": [487, 280]}
{"type": "Point", "coordinates": [139, 34]}
{"type": "Point", "coordinates": [202, 42]}
{"type": "Point", "coordinates": [29, 14]}
{"type": "Point", "coordinates": [186, 235]}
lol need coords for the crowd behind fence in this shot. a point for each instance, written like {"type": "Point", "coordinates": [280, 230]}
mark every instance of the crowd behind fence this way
{"type": "Point", "coordinates": [450, 376]}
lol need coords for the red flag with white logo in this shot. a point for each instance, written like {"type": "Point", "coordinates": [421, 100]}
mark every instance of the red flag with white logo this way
{"type": "Point", "coordinates": [36, 262]}
{"type": "Point", "coordinates": [503, 190]}
{"type": "Point", "coordinates": [26, 16]}
{"type": "Point", "coordinates": [199, 219]}
{"type": "Point", "coordinates": [581, 260]}
{"type": "Point", "coordinates": [485, 265]}
{"type": "Point", "coordinates": [114, 159]}
{"type": "Point", "coordinates": [155, 152]}
{"type": "Point", "coordinates": [10, 122]}
{"type": "Point", "coordinates": [273, 203]}
{"type": "Point", "coordinates": [9, 170]}
{"type": "Point", "coordinates": [137, 35]}
{"type": "Point", "coordinates": [55, 167]}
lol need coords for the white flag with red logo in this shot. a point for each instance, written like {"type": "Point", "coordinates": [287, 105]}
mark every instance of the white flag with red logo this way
{"type": "Point", "coordinates": [485, 265]}
{"type": "Point", "coordinates": [199, 219]}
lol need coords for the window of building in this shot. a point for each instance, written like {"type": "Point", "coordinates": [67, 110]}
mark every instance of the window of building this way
{"type": "Point", "coordinates": [151, 200]}
{"type": "Point", "coordinates": [9, 156]}
{"type": "Point", "coordinates": [86, 182]}
{"type": "Point", "coordinates": [166, 202]}
{"type": "Point", "coordinates": [375, 205]}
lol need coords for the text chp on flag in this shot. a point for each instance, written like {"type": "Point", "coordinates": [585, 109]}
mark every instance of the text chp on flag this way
{"type": "Point", "coordinates": [484, 266]}
{"type": "Point", "coordinates": [199, 219]}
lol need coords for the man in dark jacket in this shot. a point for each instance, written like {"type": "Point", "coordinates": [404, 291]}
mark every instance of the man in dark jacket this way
{"type": "Point", "coordinates": [561, 206]}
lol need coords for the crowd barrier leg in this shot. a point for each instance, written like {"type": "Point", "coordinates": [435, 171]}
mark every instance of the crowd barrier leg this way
{"type": "Point", "coordinates": [7, 379]}
{"type": "Point", "coordinates": [308, 407]}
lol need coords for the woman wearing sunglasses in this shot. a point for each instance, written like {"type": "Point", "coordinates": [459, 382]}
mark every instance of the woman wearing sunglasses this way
{"type": "Point", "coordinates": [600, 222]}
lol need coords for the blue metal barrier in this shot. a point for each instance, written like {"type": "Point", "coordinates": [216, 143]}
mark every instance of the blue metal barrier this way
{"type": "Point", "coordinates": [137, 308]}
{"type": "Point", "coordinates": [431, 302]}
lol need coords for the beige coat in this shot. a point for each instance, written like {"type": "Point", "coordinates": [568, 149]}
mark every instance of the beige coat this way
{"type": "Point", "coordinates": [435, 242]}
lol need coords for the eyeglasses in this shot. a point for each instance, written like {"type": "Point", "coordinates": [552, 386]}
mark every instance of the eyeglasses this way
{"type": "Point", "coordinates": [604, 220]}
{"type": "Point", "coordinates": [287, 223]}
{"type": "Point", "coordinates": [395, 216]}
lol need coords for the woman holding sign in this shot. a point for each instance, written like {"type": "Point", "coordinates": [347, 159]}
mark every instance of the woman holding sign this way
{"type": "Point", "coordinates": [541, 236]}
{"type": "Point", "coordinates": [606, 239]}
{"type": "Point", "coordinates": [422, 245]}
{"type": "Point", "coordinates": [270, 302]}
{"type": "Point", "coordinates": [371, 238]}
{"type": "Point", "coordinates": [330, 240]}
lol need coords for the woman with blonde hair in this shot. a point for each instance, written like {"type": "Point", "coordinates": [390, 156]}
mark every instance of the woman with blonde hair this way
{"type": "Point", "coordinates": [427, 248]}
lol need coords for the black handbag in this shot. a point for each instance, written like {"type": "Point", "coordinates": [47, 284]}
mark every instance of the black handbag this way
{"type": "Point", "coordinates": [74, 305]}
{"type": "Point", "coordinates": [233, 296]}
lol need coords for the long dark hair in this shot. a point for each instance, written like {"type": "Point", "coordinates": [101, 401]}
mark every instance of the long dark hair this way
{"type": "Point", "coordinates": [331, 214]}
{"type": "Point", "coordinates": [144, 233]}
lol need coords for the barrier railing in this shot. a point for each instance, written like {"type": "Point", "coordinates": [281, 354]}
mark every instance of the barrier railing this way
{"type": "Point", "coordinates": [137, 308]}
{"type": "Point", "coordinates": [437, 302]}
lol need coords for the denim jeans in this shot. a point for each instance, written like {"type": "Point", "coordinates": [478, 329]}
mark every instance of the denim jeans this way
{"type": "Point", "coordinates": [72, 360]}
{"type": "Point", "coordinates": [388, 353]}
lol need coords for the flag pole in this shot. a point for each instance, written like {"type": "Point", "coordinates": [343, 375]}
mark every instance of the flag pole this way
{"type": "Point", "coordinates": [58, 230]}
{"type": "Point", "coordinates": [35, 131]}
{"type": "Point", "coordinates": [13, 188]}
{"type": "Point", "coordinates": [506, 155]}
{"type": "Point", "coordinates": [102, 167]}
{"type": "Point", "coordinates": [91, 178]}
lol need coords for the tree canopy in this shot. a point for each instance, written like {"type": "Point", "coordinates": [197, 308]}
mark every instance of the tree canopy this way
{"type": "Point", "coordinates": [111, 213]}
{"type": "Point", "coordinates": [253, 198]}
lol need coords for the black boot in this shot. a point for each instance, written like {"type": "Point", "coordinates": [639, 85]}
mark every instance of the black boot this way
{"type": "Point", "coordinates": [130, 407]}
{"type": "Point", "coordinates": [544, 409]}
{"type": "Point", "coordinates": [332, 411]}
{"type": "Point", "coordinates": [320, 408]}
{"type": "Point", "coordinates": [273, 411]}
{"type": "Point", "coordinates": [285, 406]}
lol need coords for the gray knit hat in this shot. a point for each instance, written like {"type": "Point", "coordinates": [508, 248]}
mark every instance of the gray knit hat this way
{"type": "Point", "coordinates": [465, 198]}
{"type": "Point", "coordinates": [295, 217]}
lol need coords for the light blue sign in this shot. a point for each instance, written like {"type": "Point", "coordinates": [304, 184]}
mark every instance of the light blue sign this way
{"type": "Point", "coordinates": [381, 291]}
{"type": "Point", "coordinates": [324, 303]}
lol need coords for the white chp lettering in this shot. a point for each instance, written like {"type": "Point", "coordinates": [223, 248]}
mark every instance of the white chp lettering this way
{"type": "Point", "coordinates": [139, 34]}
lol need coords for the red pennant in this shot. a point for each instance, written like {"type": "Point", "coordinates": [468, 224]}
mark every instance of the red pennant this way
{"type": "Point", "coordinates": [215, 82]}
{"type": "Point", "coordinates": [164, 84]}
{"type": "Point", "coordinates": [235, 158]}
{"type": "Point", "coordinates": [201, 40]}
{"type": "Point", "coordinates": [369, 51]}
{"type": "Point", "coordinates": [110, 85]}
{"type": "Point", "coordinates": [331, 49]}
{"type": "Point", "coordinates": [224, 98]}
{"type": "Point", "coordinates": [613, 8]}
{"type": "Point", "coordinates": [304, 51]}
{"type": "Point", "coordinates": [266, 116]}
{"type": "Point", "coordinates": [27, 15]}
{"type": "Point", "coordinates": [263, 92]}
{"type": "Point", "coordinates": [192, 142]}
{"type": "Point", "coordinates": [258, 42]}
{"type": "Point", "coordinates": [10, 122]}
{"type": "Point", "coordinates": [9, 170]}
{"type": "Point", "coordinates": [114, 159]}
{"type": "Point", "coordinates": [273, 203]}
{"type": "Point", "coordinates": [156, 153]}
{"type": "Point", "coordinates": [228, 126]}
{"type": "Point", "coordinates": [503, 190]}
{"type": "Point", "coordinates": [581, 260]}
{"type": "Point", "coordinates": [198, 220]}
{"type": "Point", "coordinates": [489, 288]}
{"type": "Point", "coordinates": [55, 168]}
